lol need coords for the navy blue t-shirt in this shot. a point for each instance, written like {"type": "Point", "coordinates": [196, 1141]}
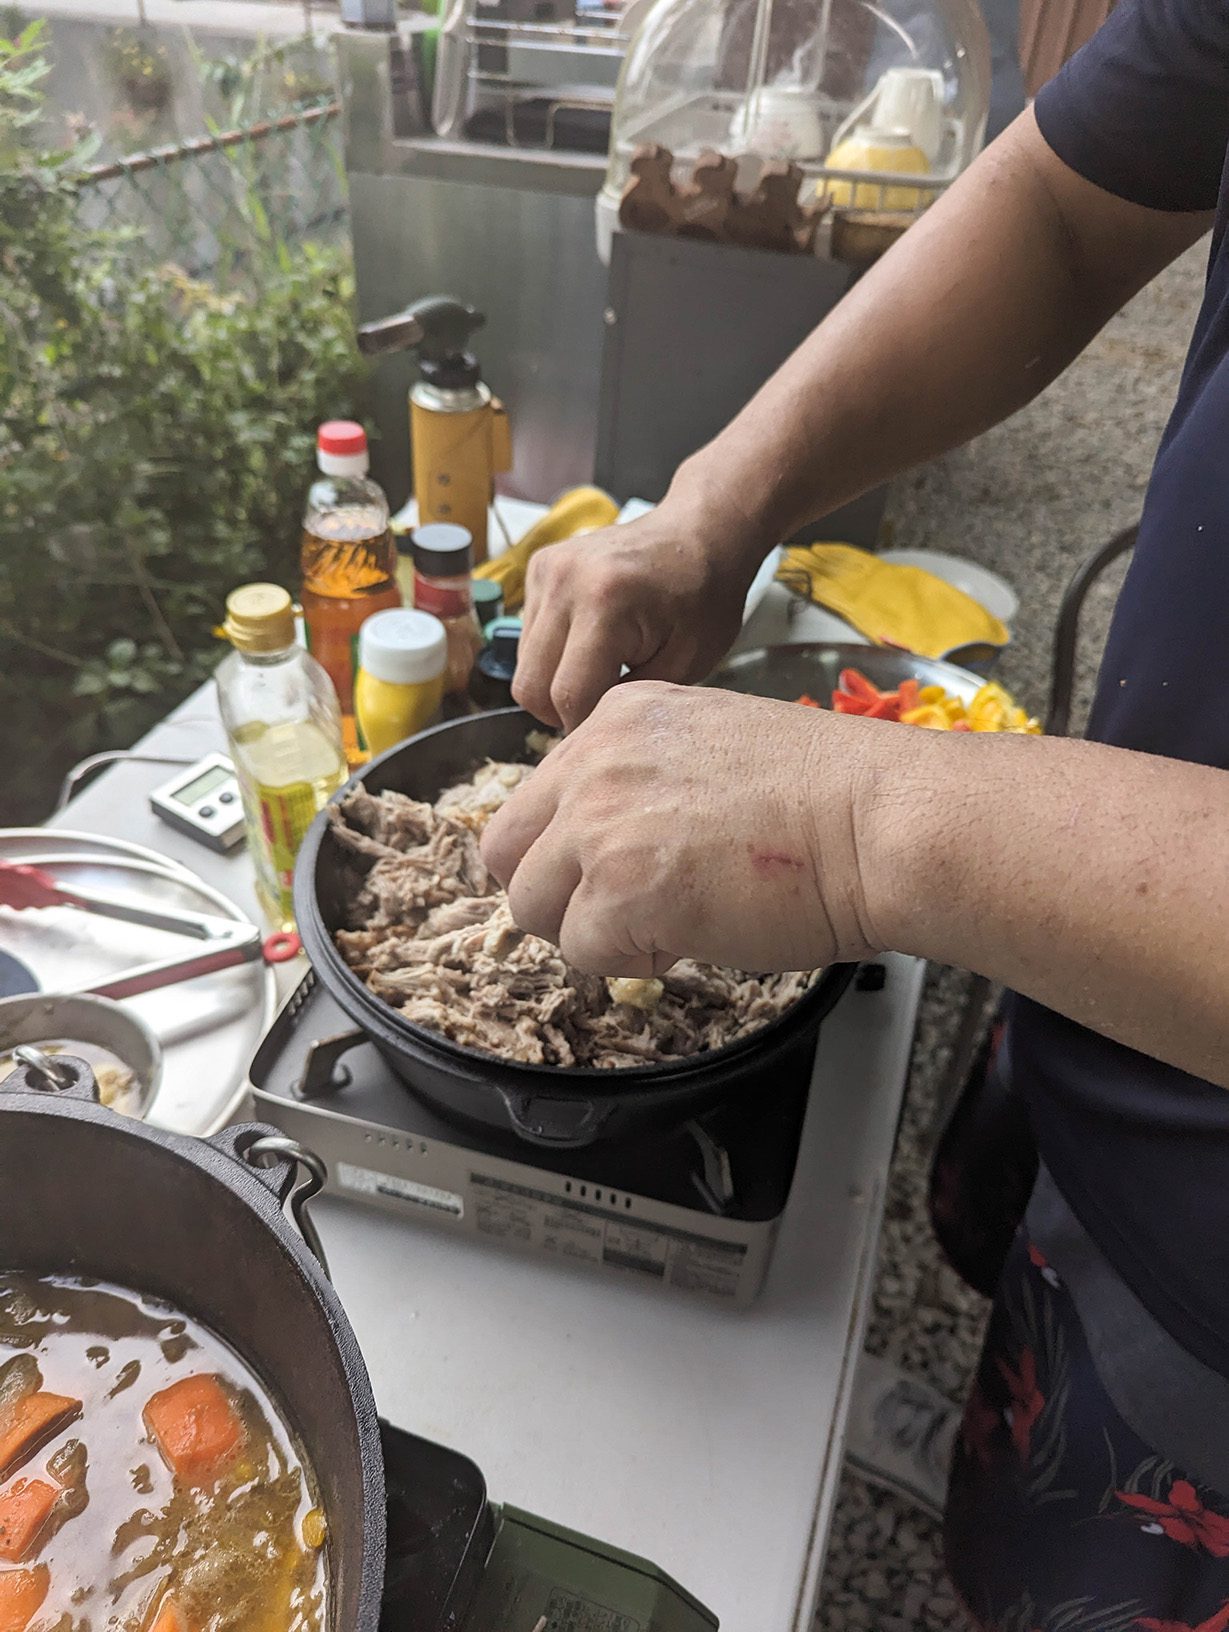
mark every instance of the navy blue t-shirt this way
{"type": "Point", "coordinates": [1139, 1149]}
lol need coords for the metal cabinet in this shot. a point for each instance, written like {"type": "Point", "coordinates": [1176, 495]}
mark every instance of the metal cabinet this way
{"type": "Point", "coordinates": [629, 375]}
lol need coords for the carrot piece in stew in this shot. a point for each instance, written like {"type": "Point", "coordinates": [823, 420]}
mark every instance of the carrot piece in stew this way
{"type": "Point", "coordinates": [28, 1422]}
{"type": "Point", "coordinates": [197, 1428]}
{"type": "Point", "coordinates": [21, 1596]}
{"type": "Point", "coordinates": [170, 1618]}
{"type": "Point", "coordinates": [24, 1510]}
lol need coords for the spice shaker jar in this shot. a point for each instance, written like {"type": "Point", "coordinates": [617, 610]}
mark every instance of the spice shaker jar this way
{"type": "Point", "coordinates": [443, 556]}
{"type": "Point", "coordinates": [488, 602]}
{"type": "Point", "coordinates": [490, 685]}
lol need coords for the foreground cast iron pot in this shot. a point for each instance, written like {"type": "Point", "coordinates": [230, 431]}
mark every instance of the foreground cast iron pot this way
{"type": "Point", "coordinates": [544, 1105]}
{"type": "Point", "coordinates": [84, 1191]}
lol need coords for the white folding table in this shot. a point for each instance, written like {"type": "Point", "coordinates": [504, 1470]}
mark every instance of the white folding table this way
{"type": "Point", "coordinates": [705, 1439]}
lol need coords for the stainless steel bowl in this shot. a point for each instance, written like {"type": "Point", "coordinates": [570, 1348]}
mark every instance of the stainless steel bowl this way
{"type": "Point", "coordinates": [814, 668]}
{"type": "Point", "coordinates": [89, 1027]}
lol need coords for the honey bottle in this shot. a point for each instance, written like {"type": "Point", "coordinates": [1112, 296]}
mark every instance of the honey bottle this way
{"type": "Point", "coordinates": [348, 562]}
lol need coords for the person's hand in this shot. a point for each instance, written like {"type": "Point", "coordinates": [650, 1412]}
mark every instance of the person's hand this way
{"type": "Point", "coordinates": [658, 596]}
{"type": "Point", "coordinates": [681, 822]}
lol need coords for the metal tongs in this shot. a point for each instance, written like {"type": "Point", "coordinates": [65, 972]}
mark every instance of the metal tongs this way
{"type": "Point", "coordinates": [227, 943]}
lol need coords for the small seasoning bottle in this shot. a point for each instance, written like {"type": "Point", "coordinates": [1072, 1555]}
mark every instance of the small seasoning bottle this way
{"type": "Point", "coordinates": [490, 685]}
{"type": "Point", "coordinates": [399, 686]}
{"type": "Point", "coordinates": [405, 566]}
{"type": "Point", "coordinates": [443, 556]}
{"type": "Point", "coordinates": [488, 601]}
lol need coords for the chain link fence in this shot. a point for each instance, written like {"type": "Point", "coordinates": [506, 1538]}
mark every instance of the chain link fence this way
{"type": "Point", "coordinates": [210, 204]}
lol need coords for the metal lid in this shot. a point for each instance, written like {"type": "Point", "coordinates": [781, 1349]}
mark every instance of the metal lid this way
{"type": "Point", "coordinates": [259, 618]}
{"type": "Point", "coordinates": [442, 550]}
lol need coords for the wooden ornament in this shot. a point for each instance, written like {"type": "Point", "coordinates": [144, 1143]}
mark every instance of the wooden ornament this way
{"type": "Point", "coordinates": [771, 216]}
{"type": "Point", "coordinates": [809, 217]}
{"type": "Point", "coordinates": [650, 202]}
{"type": "Point", "coordinates": [708, 197]}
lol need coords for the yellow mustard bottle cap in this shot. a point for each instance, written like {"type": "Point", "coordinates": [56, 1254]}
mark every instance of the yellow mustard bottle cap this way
{"type": "Point", "coordinates": [259, 618]}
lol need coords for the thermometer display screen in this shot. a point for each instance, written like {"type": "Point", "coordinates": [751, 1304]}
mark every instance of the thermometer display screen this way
{"type": "Point", "coordinates": [204, 784]}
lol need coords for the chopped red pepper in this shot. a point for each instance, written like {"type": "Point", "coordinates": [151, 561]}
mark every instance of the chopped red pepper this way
{"type": "Point", "coordinates": [843, 703]}
{"type": "Point", "coordinates": [857, 695]}
{"type": "Point", "coordinates": [858, 685]}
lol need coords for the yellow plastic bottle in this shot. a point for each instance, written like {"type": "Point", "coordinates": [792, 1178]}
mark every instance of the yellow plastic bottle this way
{"type": "Point", "coordinates": [402, 656]}
{"type": "Point", "coordinates": [886, 151]}
{"type": "Point", "coordinates": [283, 724]}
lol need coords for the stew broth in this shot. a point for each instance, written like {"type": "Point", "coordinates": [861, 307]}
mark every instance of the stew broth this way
{"type": "Point", "coordinates": [147, 1481]}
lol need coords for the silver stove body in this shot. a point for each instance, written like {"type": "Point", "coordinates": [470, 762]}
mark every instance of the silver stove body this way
{"type": "Point", "coordinates": [386, 1149]}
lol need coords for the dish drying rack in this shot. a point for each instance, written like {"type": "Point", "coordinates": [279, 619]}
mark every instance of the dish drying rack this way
{"type": "Point", "coordinates": [494, 61]}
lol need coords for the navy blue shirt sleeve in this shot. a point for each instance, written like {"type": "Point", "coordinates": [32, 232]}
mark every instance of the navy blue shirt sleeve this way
{"type": "Point", "coordinates": [1143, 109]}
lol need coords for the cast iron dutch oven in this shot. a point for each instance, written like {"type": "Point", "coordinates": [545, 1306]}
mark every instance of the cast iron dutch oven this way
{"type": "Point", "coordinates": [84, 1191]}
{"type": "Point", "coordinates": [546, 1105]}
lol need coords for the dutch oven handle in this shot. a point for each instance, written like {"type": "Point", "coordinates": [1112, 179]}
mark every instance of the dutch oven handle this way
{"type": "Point", "coordinates": [39, 1073]}
{"type": "Point", "coordinates": [292, 1173]}
{"type": "Point", "coordinates": [561, 1123]}
{"type": "Point", "coordinates": [273, 1159]}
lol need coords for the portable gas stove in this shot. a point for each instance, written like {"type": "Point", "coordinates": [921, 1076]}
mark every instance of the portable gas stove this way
{"type": "Point", "coordinates": [694, 1209]}
{"type": "Point", "coordinates": [456, 1563]}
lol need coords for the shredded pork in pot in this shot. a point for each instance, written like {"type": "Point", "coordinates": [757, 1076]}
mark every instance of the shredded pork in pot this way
{"type": "Point", "coordinates": [430, 932]}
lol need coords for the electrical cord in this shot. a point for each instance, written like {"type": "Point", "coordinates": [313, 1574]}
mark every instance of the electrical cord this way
{"type": "Point", "coordinates": [115, 756]}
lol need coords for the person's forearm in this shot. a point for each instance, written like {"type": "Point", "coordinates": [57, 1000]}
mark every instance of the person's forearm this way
{"type": "Point", "coordinates": [1090, 878]}
{"type": "Point", "coordinates": [981, 303]}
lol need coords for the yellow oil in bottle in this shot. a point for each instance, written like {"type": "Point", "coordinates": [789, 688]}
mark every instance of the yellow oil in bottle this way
{"type": "Point", "coordinates": [283, 728]}
{"type": "Point", "coordinates": [287, 772]}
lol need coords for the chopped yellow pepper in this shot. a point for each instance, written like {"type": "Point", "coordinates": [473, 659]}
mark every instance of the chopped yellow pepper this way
{"type": "Point", "coordinates": [991, 709]}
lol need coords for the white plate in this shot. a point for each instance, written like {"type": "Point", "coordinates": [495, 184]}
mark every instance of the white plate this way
{"type": "Point", "coordinates": [986, 587]}
{"type": "Point", "coordinates": [762, 582]}
{"type": "Point", "coordinates": [209, 1028]}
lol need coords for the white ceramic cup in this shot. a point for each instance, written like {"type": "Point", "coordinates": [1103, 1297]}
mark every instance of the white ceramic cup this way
{"type": "Point", "coordinates": [780, 124]}
{"type": "Point", "coordinates": [912, 99]}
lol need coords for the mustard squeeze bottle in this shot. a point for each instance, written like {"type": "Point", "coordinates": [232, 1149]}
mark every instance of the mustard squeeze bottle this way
{"type": "Point", "coordinates": [399, 686]}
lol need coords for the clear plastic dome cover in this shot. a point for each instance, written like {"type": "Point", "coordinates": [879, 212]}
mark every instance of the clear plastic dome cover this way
{"type": "Point", "coordinates": [807, 80]}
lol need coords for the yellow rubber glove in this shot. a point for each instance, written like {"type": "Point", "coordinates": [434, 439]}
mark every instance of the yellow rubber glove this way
{"type": "Point", "coordinates": [580, 510]}
{"type": "Point", "coordinates": [890, 604]}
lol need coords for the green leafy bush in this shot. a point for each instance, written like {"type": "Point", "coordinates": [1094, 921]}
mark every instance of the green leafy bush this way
{"type": "Point", "coordinates": [156, 438]}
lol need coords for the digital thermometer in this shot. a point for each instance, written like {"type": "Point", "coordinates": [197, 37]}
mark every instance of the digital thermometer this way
{"type": "Point", "coordinates": [203, 802]}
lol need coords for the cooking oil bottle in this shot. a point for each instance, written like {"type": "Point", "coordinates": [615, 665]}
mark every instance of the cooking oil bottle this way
{"type": "Point", "coordinates": [348, 562]}
{"type": "Point", "coordinates": [284, 727]}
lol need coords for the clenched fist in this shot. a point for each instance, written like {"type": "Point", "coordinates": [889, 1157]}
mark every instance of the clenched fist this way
{"type": "Point", "coordinates": [681, 822]}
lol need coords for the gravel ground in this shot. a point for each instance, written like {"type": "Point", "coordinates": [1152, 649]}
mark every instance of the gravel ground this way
{"type": "Point", "coordinates": [1030, 499]}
